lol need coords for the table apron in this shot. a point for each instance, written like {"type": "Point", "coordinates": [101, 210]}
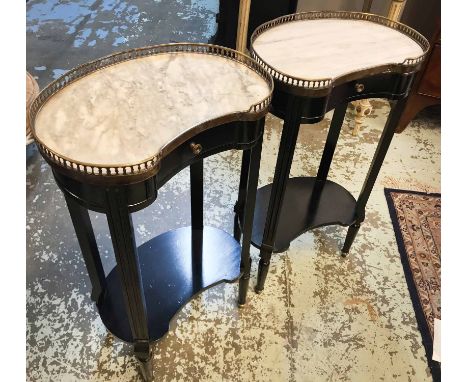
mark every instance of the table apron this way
{"type": "Point", "coordinates": [239, 135]}
{"type": "Point", "coordinates": [391, 86]}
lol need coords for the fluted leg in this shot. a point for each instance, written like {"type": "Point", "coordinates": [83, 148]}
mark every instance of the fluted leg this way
{"type": "Point", "coordinates": [85, 234]}
{"type": "Point", "coordinates": [283, 166]}
{"type": "Point", "coordinates": [126, 254]}
{"type": "Point", "coordinates": [248, 214]}
{"type": "Point", "coordinates": [240, 203]}
{"type": "Point", "coordinates": [379, 156]}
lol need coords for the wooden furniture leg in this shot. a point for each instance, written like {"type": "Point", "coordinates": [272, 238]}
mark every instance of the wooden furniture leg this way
{"type": "Point", "coordinates": [255, 154]}
{"type": "Point", "coordinates": [89, 249]}
{"type": "Point", "coordinates": [243, 25]}
{"type": "Point", "coordinates": [396, 9]}
{"type": "Point", "coordinates": [126, 255]}
{"type": "Point", "coordinates": [363, 109]}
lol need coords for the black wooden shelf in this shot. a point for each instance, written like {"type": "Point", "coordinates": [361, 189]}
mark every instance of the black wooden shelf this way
{"type": "Point", "coordinates": [172, 275]}
{"type": "Point", "coordinates": [335, 205]}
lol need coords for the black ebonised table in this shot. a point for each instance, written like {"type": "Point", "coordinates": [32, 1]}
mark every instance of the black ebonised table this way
{"type": "Point", "coordinates": [116, 130]}
{"type": "Point", "coordinates": [321, 61]}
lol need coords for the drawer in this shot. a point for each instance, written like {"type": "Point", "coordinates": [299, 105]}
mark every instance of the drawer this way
{"type": "Point", "coordinates": [384, 85]}
{"type": "Point", "coordinates": [234, 135]}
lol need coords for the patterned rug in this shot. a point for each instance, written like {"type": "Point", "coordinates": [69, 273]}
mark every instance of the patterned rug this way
{"type": "Point", "coordinates": [416, 221]}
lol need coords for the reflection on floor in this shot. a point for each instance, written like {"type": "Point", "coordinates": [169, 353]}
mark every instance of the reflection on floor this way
{"type": "Point", "coordinates": [320, 318]}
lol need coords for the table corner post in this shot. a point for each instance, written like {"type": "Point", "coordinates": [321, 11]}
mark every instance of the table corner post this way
{"type": "Point", "coordinates": [374, 169]}
{"type": "Point", "coordinates": [254, 157]}
{"type": "Point", "coordinates": [123, 240]}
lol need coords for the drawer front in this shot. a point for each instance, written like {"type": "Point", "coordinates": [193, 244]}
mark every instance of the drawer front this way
{"type": "Point", "coordinates": [384, 85]}
{"type": "Point", "coordinates": [230, 136]}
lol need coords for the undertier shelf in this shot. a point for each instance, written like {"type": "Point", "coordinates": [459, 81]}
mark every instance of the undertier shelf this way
{"type": "Point", "coordinates": [335, 205]}
{"type": "Point", "coordinates": [175, 267]}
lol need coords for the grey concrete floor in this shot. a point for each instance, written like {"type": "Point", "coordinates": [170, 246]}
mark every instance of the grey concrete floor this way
{"type": "Point", "coordinates": [320, 318]}
{"type": "Point", "coordinates": [62, 34]}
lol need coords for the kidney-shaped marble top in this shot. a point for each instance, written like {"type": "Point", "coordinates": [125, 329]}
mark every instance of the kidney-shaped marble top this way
{"type": "Point", "coordinates": [330, 48]}
{"type": "Point", "coordinates": [128, 112]}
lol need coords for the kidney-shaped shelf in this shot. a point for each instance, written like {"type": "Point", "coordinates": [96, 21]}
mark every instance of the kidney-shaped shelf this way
{"type": "Point", "coordinates": [175, 266]}
{"type": "Point", "coordinates": [302, 210]}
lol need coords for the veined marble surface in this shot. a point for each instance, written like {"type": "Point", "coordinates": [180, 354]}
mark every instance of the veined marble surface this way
{"type": "Point", "coordinates": [128, 112]}
{"type": "Point", "coordinates": [330, 48]}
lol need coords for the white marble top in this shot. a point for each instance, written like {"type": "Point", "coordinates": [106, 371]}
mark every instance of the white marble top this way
{"type": "Point", "coordinates": [330, 48]}
{"type": "Point", "coordinates": [128, 112]}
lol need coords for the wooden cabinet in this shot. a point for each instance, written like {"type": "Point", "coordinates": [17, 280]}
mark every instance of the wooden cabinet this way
{"type": "Point", "coordinates": [430, 82]}
{"type": "Point", "coordinates": [426, 90]}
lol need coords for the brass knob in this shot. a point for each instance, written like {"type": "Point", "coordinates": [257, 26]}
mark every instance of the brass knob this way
{"type": "Point", "coordinates": [196, 148]}
{"type": "Point", "coordinates": [359, 87]}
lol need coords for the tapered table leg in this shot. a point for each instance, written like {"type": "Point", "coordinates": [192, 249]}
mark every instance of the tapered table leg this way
{"type": "Point", "coordinates": [254, 156]}
{"type": "Point", "coordinates": [379, 156]}
{"type": "Point", "coordinates": [350, 236]}
{"type": "Point", "coordinates": [327, 156]}
{"type": "Point", "coordinates": [196, 194]}
{"type": "Point", "coordinates": [126, 254]}
{"type": "Point", "coordinates": [240, 203]}
{"type": "Point", "coordinates": [85, 234]}
{"type": "Point", "coordinates": [289, 135]}
{"type": "Point", "coordinates": [196, 206]}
